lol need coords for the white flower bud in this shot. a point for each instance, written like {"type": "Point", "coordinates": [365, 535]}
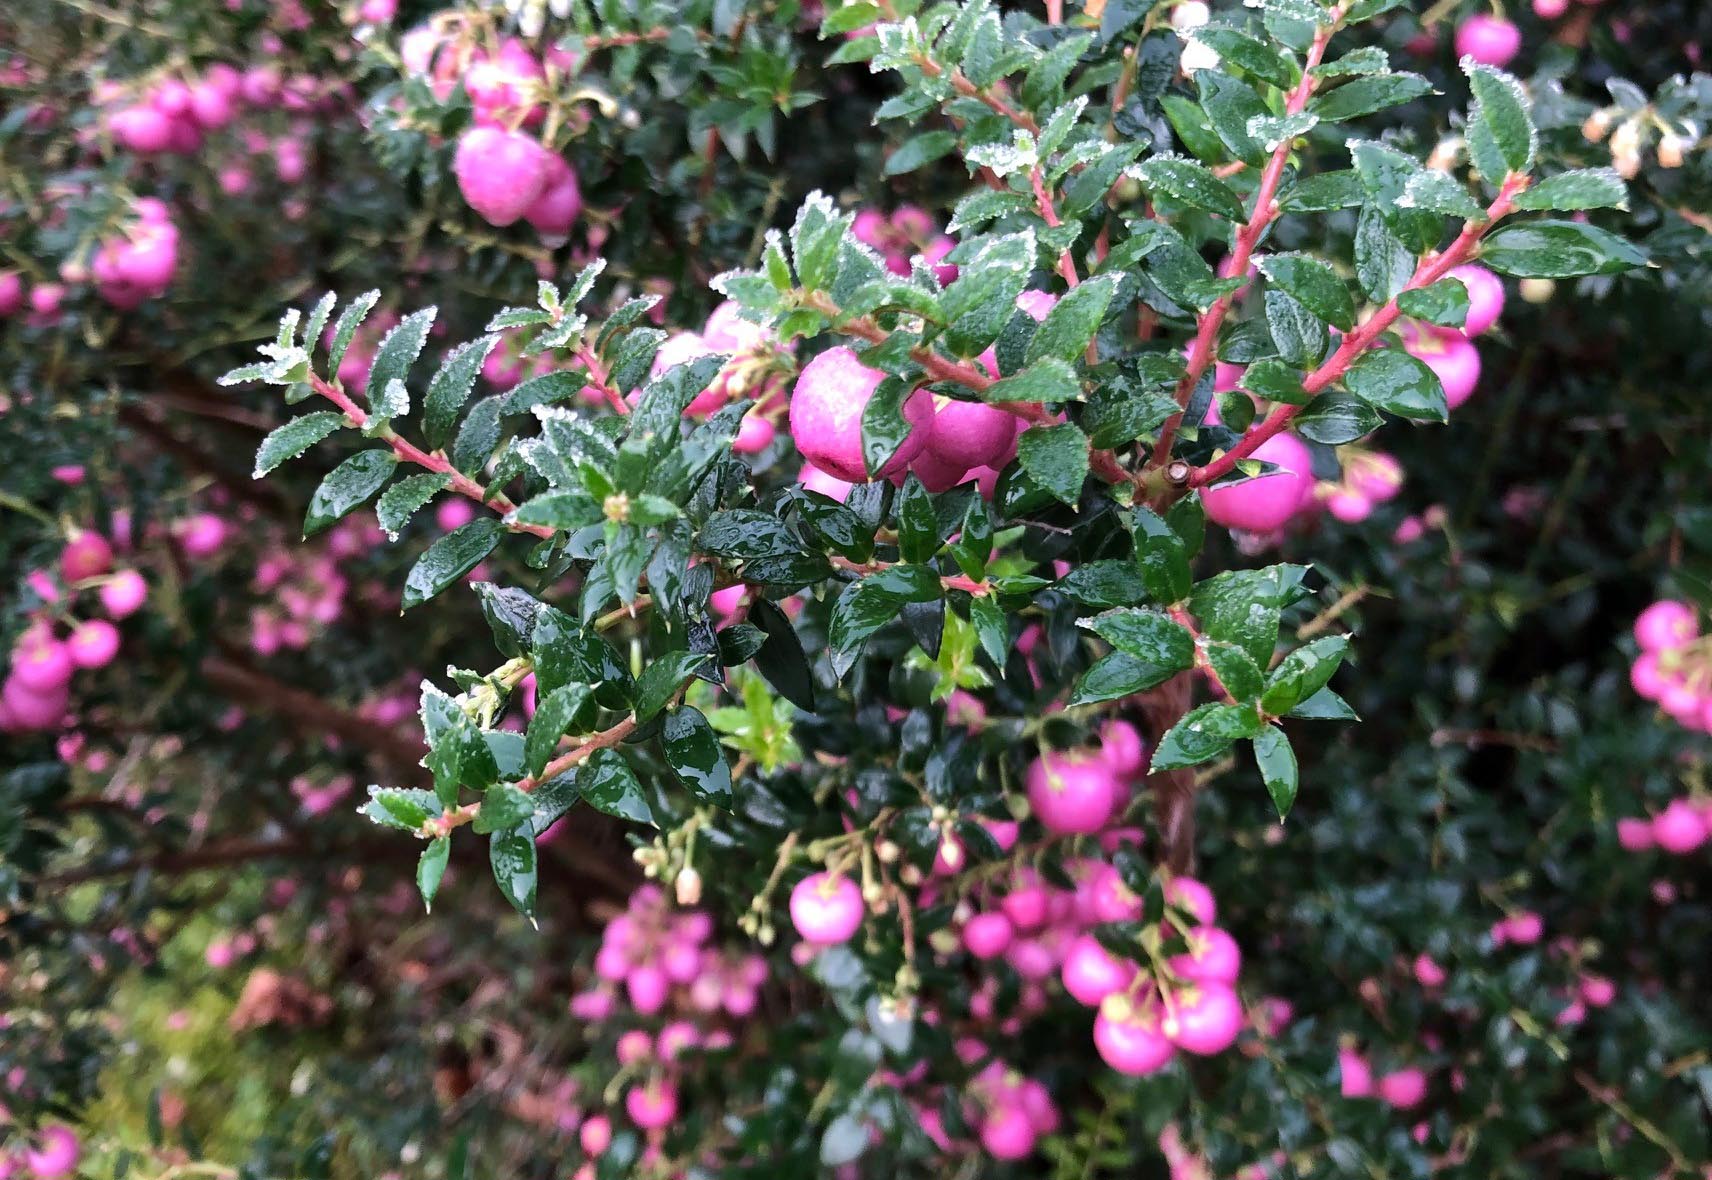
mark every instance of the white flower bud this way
{"type": "Point", "coordinates": [1191, 14]}
{"type": "Point", "coordinates": [1198, 56]}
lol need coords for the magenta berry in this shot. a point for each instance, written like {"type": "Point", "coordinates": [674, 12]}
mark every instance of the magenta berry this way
{"type": "Point", "coordinates": [1268, 501]}
{"type": "Point", "coordinates": [1192, 896]}
{"type": "Point", "coordinates": [1665, 625]}
{"type": "Point", "coordinates": [1090, 973]}
{"type": "Point", "coordinates": [1679, 828]}
{"type": "Point", "coordinates": [1489, 40]}
{"type": "Point", "coordinates": [826, 416]}
{"type": "Point", "coordinates": [1129, 1039]}
{"type": "Point", "coordinates": [652, 1106]}
{"type": "Point", "coordinates": [501, 173]}
{"type": "Point", "coordinates": [1355, 1076]}
{"type": "Point", "coordinates": [1485, 297]}
{"type": "Point", "coordinates": [1072, 793]}
{"type": "Point", "coordinates": [1213, 957]}
{"type": "Point", "coordinates": [86, 555]}
{"type": "Point", "coordinates": [1403, 1089]}
{"type": "Point", "coordinates": [826, 910]}
{"type": "Point", "coordinates": [54, 1154]}
{"type": "Point", "coordinates": [93, 643]}
{"type": "Point", "coordinates": [987, 936]}
{"type": "Point", "coordinates": [41, 663]}
{"type": "Point", "coordinates": [1204, 1018]}
{"type": "Point", "coordinates": [1006, 1133]}
{"type": "Point", "coordinates": [1451, 356]}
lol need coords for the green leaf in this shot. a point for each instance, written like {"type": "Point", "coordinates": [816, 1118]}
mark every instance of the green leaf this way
{"type": "Point", "coordinates": [1392, 380]}
{"type": "Point", "coordinates": [1501, 137]}
{"type": "Point", "coordinates": [918, 526]}
{"type": "Point", "coordinates": [347, 487]}
{"type": "Point", "coordinates": [991, 628]}
{"type": "Point", "coordinates": [849, 17]}
{"type": "Point", "coordinates": [398, 350]}
{"type": "Point", "coordinates": [1148, 636]}
{"type": "Point", "coordinates": [1439, 192]}
{"type": "Point", "coordinates": [554, 714]}
{"type": "Point", "coordinates": [512, 855]}
{"type": "Point", "coordinates": [1314, 284]}
{"type": "Point", "coordinates": [1104, 583]}
{"type": "Point", "coordinates": [1324, 705]}
{"type": "Point", "coordinates": [1336, 418]}
{"type": "Point", "coordinates": [1558, 250]}
{"type": "Point", "coordinates": [1240, 607]}
{"type": "Point", "coordinates": [1385, 173]}
{"type": "Point", "coordinates": [1277, 762]}
{"type": "Point", "coordinates": [919, 151]}
{"type": "Point", "coordinates": [1049, 381]}
{"type": "Point", "coordinates": [1250, 54]}
{"type": "Point", "coordinates": [1236, 670]}
{"type": "Point", "coordinates": [1164, 561]}
{"type": "Point", "coordinates": [984, 296]}
{"type": "Point", "coordinates": [1190, 183]}
{"type": "Point", "coordinates": [660, 682]}
{"type": "Point", "coordinates": [503, 807]}
{"type": "Point", "coordinates": [431, 869]}
{"type": "Point", "coordinates": [815, 238]}
{"type": "Point", "coordinates": [317, 321]}
{"type": "Point", "coordinates": [1383, 265]}
{"type": "Point", "coordinates": [609, 785]}
{"type": "Point", "coordinates": [1204, 733]}
{"type": "Point", "coordinates": [1117, 675]}
{"type": "Point", "coordinates": [402, 500]}
{"type": "Point", "coordinates": [449, 389]}
{"type": "Point", "coordinates": [1584, 188]}
{"type": "Point", "coordinates": [1303, 673]}
{"type": "Point", "coordinates": [1229, 105]}
{"type": "Point", "coordinates": [1276, 382]}
{"type": "Point", "coordinates": [1444, 303]}
{"type": "Point", "coordinates": [450, 558]}
{"type": "Point", "coordinates": [295, 437]}
{"type": "Point", "coordinates": [1324, 193]}
{"type": "Point", "coordinates": [1299, 334]}
{"type": "Point", "coordinates": [781, 659]}
{"type": "Point", "coordinates": [1072, 322]}
{"type": "Point", "coordinates": [1367, 94]}
{"type": "Point", "coordinates": [568, 511]}
{"type": "Point", "coordinates": [867, 605]}
{"type": "Point", "coordinates": [666, 397]}
{"type": "Point", "coordinates": [356, 311]}
{"type": "Point", "coordinates": [1056, 457]}
{"type": "Point", "coordinates": [403, 808]}
{"type": "Point", "coordinates": [478, 436]}
{"type": "Point", "coordinates": [693, 753]}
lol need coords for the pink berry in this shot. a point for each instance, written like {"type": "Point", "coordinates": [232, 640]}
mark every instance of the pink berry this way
{"type": "Point", "coordinates": [1122, 748]}
{"type": "Point", "coordinates": [1213, 957]}
{"type": "Point", "coordinates": [454, 513]}
{"type": "Point", "coordinates": [93, 643]}
{"type": "Point", "coordinates": [1550, 9]}
{"type": "Point", "coordinates": [1090, 973]}
{"type": "Point", "coordinates": [1355, 1076]}
{"type": "Point", "coordinates": [1679, 828]}
{"type": "Point", "coordinates": [826, 910]}
{"type": "Point", "coordinates": [1428, 973]}
{"type": "Point", "coordinates": [41, 663]}
{"type": "Point", "coordinates": [87, 555]}
{"type": "Point", "coordinates": [1489, 40]}
{"type": "Point", "coordinates": [54, 1154]}
{"type": "Point", "coordinates": [1485, 297]}
{"type": "Point", "coordinates": [1006, 1133]}
{"type": "Point", "coordinates": [1649, 681]}
{"type": "Point", "coordinates": [652, 1106]}
{"type": "Point", "coordinates": [972, 434]}
{"type": "Point", "coordinates": [1188, 894]}
{"type": "Point", "coordinates": [826, 416]}
{"type": "Point", "coordinates": [500, 173]}
{"type": "Point", "coordinates": [1524, 928]}
{"type": "Point", "coordinates": [1203, 1019]}
{"type": "Point", "coordinates": [1597, 990]}
{"type": "Point", "coordinates": [202, 535]}
{"type": "Point", "coordinates": [1665, 625]}
{"type": "Point", "coordinates": [1072, 793]}
{"type": "Point", "coordinates": [141, 128]}
{"type": "Point", "coordinates": [1128, 1038]}
{"type": "Point", "coordinates": [647, 987]}
{"type": "Point", "coordinates": [595, 1135]}
{"type": "Point", "coordinates": [1450, 355]}
{"type": "Point", "coordinates": [1268, 501]}
{"type": "Point", "coordinates": [754, 435]}
{"type": "Point", "coordinates": [1634, 835]}
{"type": "Point", "coordinates": [1403, 1089]}
{"type": "Point", "coordinates": [556, 210]}
{"type": "Point", "coordinates": [1350, 507]}
{"type": "Point", "coordinates": [987, 936]}
{"type": "Point", "coordinates": [32, 708]}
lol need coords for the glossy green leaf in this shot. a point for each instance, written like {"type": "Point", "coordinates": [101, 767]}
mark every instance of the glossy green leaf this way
{"type": "Point", "coordinates": [693, 752]}
{"type": "Point", "coordinates": [347, 487]}
{"type": "Point", "coordinates": [296, 436]}
{"type": "Point", "coordinates": [450, 558]}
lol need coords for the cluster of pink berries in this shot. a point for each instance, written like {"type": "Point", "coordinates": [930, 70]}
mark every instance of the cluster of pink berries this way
{"type": "Point", "coordinates": [54, 1153]}
{"type": "Point", "coordinates": [949, 441]}
{"type": "Point", "coordinates": [174, 114]}
{"type": "Point", "coordinates": [1268, 502]}
{"type": "Point", "coordinates": [504, 173]}
{"type": "Point", "coordinates": [908, 232]}
{"type": "Point", "coordinates": [37, 687]}
{"type": "Point", "coordinates": [755, 371]}
{"type": "Point", "coordinates": [660, 960]}
{"type": "Point", "coordinates": [138, 262]}
{"type": "Point", "coordinates": [304, 590]}
{"type": "Point", "coordinates": [1674, 667]}
{"type": "Point", "coordinates": [1682, 826]}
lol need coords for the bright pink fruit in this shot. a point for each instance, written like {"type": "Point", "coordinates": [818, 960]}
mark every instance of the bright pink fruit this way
{"type": "Point", "coordinates": [826, 416]}
{"type": "Point", "coordinates": [987, 936]}
{"type": "Point", "coordinates": [141, 128]}
{"type": "Point", "coordinates": [1634, 835]}
{"type": "Point", "coordinates": [1188, 894]}
{"type": "Point", "coordinates": [500, 173]}
{"type": "Point", "coordinates": [1428, 973]}
{"type": "Point", "coordinates": [595, 1135]}
{"type": "Point", "coordinates": [1203, 1019]}
{"type": "Point", "coordinates": [972, 434]}
{"type": "Point", "coordinates": [647, 987]}
{"type": "Point", "coordinates": [826, 910]}
{"type": "Point", "coordinates": [1072, 793]}
{"type": "Point", "coordinates": [1550, 9]}
{"type": "Point", "coordinates": [1128, 1037]}
{"type": "Point", "coordinates": [1355, 1076]}
{"type": "Point", "coordinates": [33, 708]}
{"type": "Point", "coordinates": [93, 643]}
{"type": "Point", "coordinates": [1665, 625]}
{"type": "Point", "coordinates": [1485, 297]}
{"type": "Point", "coordinates": [54, 1154]}
{"type": "Point", "coordinates": [1122, 748]}
{"type": "Point", "coordinates": [816, 480]}
{"type": "Point", "coordinates": [1213, 957]}
{"type": "Point", "coordinates": [1090, 973]}
{"type": "Point", "coordinates": [1403, 1089]}
{"type": "Point", "coordinates": [652, 1106]}
{"type": "Point", "coordinates": [556, 210]}
{"type": "Point", "coordinates": [1007, 1133]}
{"type": "Point", "coordinates": [1679, 828]}
{"type": "Point", "coordinates": [1490, 40]}
{"type": "Point", "coordinates": [41, 663]}
{"type": "Point", "coordinates": [1266, 502]}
